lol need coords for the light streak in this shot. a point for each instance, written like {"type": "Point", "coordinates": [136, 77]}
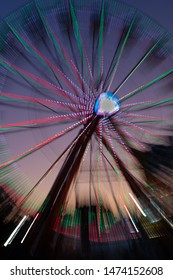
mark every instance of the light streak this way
{"type": "Point", "coordinates": [16, 230]}
{"type": "Point", "coordinates": [146, 104]}
{"type": "Point", "coordinates": [44, 143]}
{"type": "Point", "coordinates": [137, 205]}
{"type": "Point", "coordinates": [40, 101]}
{"type": "Point", "coordinates": [121, 52]}
{"type": "Point", "coordinates": [61, 50]}
{"type": "Point", "coordinates": [137, 65]}
{"type": "Point", "coordinates": [52, 67]}
{"type": "Point", "coordinates": [37, 80]}
{"type": "Point", "coordinates": [43, 121]}
{"type": "Point", "coordinates": [147, 85]}
{"type": "Point", "coordinates": [145, 132]}
{"type": "Point", "coordinates": [79, 41]}
{"type": "Point", "coordinates": [131, 218]}
{"type": "Point", "coordinates": [101, 44]}
{"type": "Point", "coordinates": [29, 228]}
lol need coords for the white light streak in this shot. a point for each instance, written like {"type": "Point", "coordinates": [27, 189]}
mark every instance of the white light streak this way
{"type": "Point", "coordinates": [16, 230]}
{"type": "Point", "coordinates": [131, 219]}
{"type": "Point", "coordinates": [137, 205]}
{"type": "Point", "coordinates": [29, 228]}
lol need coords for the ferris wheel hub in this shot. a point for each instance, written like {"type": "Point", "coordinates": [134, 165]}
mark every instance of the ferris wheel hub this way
{"type": "Point", "coordinates": [106, 104]}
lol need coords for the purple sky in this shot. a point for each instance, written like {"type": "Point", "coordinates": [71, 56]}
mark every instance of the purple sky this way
{"type": "Point", "coordinates": [159, 10]}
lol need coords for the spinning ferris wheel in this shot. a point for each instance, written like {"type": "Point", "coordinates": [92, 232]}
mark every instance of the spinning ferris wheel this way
{"type": "Point", "coordinates": [85, 109]}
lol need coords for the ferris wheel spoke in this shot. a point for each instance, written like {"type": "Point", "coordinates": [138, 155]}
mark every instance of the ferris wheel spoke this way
{"type": "Point", "coordinates": [107, 173]}
{"type": "Point", "coordinates": [49, 103]}
{"type": "Point", "coordinates": [116, 208]}
{"type": "Point", "coordinates": [147, 104]}
{"type": "Point", "coordinates": [122, 139]}
{"type": "Point", "coordinates": [61, 50]}
{"type": "Point", "coordinates": [101, 44]}
{"type": "Point", "coordinates": [148, 53]}
{"type": "Point", "coordinates": [49, 171]}
{"type": "Point", "coordinates": [44, 143]}
{"type": "Point", "coordinates": [98, 195]}
{"type": "Point", "coordinates": [132, 181]}
{"type": "Point", "coordinates": [80, 44]}
{"type": "Point", "coordinates": [107, 142]}
{"type": "Point", "coordinates": [52, 67]}
{"type": "Point", "coordinates": [112, 63]}
{"type": "Point", "coordinates": [99, 174]}
{"type": "Point", "coordinates": [145, 119]}
{"type": "Point", "coordinates": [69, 204]}
{"type": "Point", "coordinates": [145, 133]}
{"type": "Point", "coordinates": [115, 67]}
{"type": "Point", "coordinates": [37, 80]}
{"type": "Point", "coordinates": [44, 121]}
{"type": "Point", "coordinates": [147, 85]}
{"type": "Point", "coordinates": [118, 137]}
{"type": "Point", "coordinates": [121, 172]}
{"type": "Point", "coordinates": [132, 140]}
{"type": "Point", "coordinates": [92, 171]}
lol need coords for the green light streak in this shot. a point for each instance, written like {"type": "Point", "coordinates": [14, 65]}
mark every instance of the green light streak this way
{"type": "Point", "coordinates": [100, 44]}
{"type": "Point", "coordinates": [144, 133]}
{"type": "Point", "coordinates": [49, 30]}
{"type": "Point", "coordinates": [138, 64]}
{"type": "Point", "coordinates": [28, 47]}
{"type": "Point", "coordinates": [121, 52]}
{"type": "Point", "coordinates": [54, 40]}
{"type": "Point", "coordinates": [12, 70]}
{"type": "Point", "coordinates": [149, 104]}
{"type": "Point", "coordinates": [147, 85]}
{"type": "Point", "coordinates": [154, 121]}
{"type": "Point", "coordinates": [43, 60]}
{"type": "Point", "coordinates": [76, 29]}
{"type": "Point", "coordinates": [78, 38]}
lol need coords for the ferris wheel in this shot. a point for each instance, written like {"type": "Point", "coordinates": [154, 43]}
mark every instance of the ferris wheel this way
{"type": "Point", "coordinates": [85, 109]}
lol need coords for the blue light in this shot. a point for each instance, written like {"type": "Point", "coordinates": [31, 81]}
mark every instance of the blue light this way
{"type": "Point", "coordinates": [106, 104]}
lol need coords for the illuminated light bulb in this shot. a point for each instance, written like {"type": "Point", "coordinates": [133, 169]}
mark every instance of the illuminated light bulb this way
{"type": "Point", "coordinates": [106, 104]}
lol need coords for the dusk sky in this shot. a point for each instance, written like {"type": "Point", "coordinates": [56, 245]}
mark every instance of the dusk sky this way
{"type": "Point", "coordinates": [159, 10]}
{"type": "Point", "coordinates": [85, 96]}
